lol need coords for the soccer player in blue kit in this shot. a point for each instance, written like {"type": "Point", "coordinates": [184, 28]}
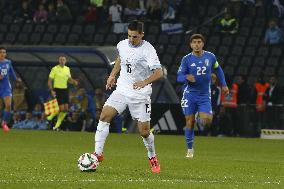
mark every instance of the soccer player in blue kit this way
{"type": "Point", "coordinates": [6, 71]}
{"type": "Point", "coordinates": [195, 72]}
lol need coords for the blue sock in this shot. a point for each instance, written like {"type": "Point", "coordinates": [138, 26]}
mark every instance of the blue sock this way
{"type": "Point", "coordinates": [189, 136]}
{"type": "Point", "coordinates": [6, 116]}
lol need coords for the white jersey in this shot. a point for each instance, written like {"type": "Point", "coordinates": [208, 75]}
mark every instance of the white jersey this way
{"type": "Point", "coordinates": [137, 64]}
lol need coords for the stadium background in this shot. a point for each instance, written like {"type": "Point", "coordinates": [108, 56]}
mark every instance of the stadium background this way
{"type": "Point", "coordinates": [81, 31]}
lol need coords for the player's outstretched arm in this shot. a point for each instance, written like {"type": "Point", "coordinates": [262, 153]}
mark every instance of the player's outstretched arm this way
{"type": "Point", "coordinates": [111, 79]}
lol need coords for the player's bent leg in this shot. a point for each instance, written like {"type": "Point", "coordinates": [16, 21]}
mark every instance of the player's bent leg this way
{"type": "Point", "coordinates": [189, 134]}
{"type": "Point", "coordinates": [63, 108]}
{"type": "Point", "coordinates": [7, 113]}
{"type": "Point", "coordinates": [205, 119]}
{"type": "Point", "coordinates": [148, 140]}
{"type": "Point", "coordinates": [102, 132]}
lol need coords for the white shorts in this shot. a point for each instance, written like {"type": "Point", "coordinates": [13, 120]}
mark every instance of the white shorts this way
{"type": "Point", "coordinates": [140, 109]}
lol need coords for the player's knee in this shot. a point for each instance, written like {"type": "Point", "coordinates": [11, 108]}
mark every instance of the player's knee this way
{"type": "Point", "coordinates": [206, 122]}
{"type": "Point", "coordinates": [105, 117]}
{"type": "Point", "coordinates": [189, 124]}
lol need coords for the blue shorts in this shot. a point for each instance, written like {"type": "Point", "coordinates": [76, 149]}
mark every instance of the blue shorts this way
{"type": "Point", "coordinates": [193, 102]}
{"type": "Point", "coordinates": [5, 92]}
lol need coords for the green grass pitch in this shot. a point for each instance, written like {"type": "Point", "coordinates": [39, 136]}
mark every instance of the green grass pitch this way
{"type": "Point", "coordinates": [46, 159]}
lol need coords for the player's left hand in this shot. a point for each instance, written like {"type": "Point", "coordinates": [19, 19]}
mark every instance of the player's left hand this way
{"type": "Point", "coordinates": [225, 90]}
{"type": "Point", "coordinates": [75, 82]}
{"type": "Point", "coordinates": [1, 77]}
{"type": "Point", "coordinates": [139, 85]}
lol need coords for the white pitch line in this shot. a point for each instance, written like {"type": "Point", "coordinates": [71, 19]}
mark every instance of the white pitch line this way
{"type": "Point", "coordinates": [173, 181]}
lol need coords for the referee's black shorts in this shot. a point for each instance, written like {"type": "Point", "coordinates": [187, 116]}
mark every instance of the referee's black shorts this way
{"type": "Point", "coordinates": [62, 96]}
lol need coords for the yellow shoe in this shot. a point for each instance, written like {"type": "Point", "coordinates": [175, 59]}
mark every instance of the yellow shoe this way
{"type": "Point", "coordinates": [50, 117]}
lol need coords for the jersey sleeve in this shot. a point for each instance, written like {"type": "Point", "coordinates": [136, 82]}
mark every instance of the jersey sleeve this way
{"type": "Point", "coordinates": [219, 71]}
{"type": "Point", "coordinates": [215, 63]}
{"type": "Point", "coordinates": [118, 47]}
{"type": "Point", "coordinates": [152, 58]}
{"type": "Point", "coordinates": [52, 73]}
{"type": "Point", "coordinates": [182, 71]}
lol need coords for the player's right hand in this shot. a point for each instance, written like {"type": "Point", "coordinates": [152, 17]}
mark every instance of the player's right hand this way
{"type": "Point", "coordinates": [1, 77]}
{"type": "Point", "coordinates": [190, 78]}
{"type": "Point", "coordinates": [110, 82]}
{"type": "Point", "coordinates": [53, 93]}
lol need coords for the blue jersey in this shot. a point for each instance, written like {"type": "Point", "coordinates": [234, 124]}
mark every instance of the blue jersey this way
{"type": "Point", "coordinates": [201, 68]}
{"type": "Point", "coordinates": [196, 95]}
{"type": "Point", "coordinates": [7, 71]}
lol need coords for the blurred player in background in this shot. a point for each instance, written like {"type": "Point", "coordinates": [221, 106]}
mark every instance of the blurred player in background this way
{"type": "Point", "coordinates": [139, 66]}
{"type": "Point", "coordinates": [195, 72]}
{"type": "Point", "coordinates": [6, 71]}
{"type": "Point", "coordinates": [58, 85]}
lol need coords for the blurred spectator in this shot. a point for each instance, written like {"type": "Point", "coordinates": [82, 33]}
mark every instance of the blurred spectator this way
{"type": "Point", "coordinates": [24, 13]}
{"type": "Point", "coordinates": [28, 123]}
{"type": "Point", "coordinates": [229, 109]}
{"type": "Point", "coordinates": [16, 118]}
{"type": "Point", "coordinates": [38, 110]}
{"type": "Point", "coordinates": [19, 97]}
{"type": "Point", "coordinates": [133, 9]}
{"type": "Point", "coordinates": [273, 93]}
{"type": "Point", "coordinates": [75, 122]}
{"type": "Point", "coordinates": [63, 12]}
{"type": "Point", "coordinates": [100, 7]}
{"type": "Point", "coordinates": [260, 87]}
{"type": "Point", "coordinates": [115, 11]}
{"type": "Point", "coordinates": [168, 12]}
{"type": "Point", "coordinates": [79, 102]}
{"type": "Point", "coordinates": [273, 34]}
{"type": "Point", "coordinates": [228, 24]}
{"type": "Point", "coordinates": [91, 14]}
{"type": "Point", "coordinates": [154, 9]}
{"type": "Point", "coordinates": [273, 99]}
{"type": "Point", "coordinates": [40, 15]}
{"type": "Point", "coordinates": [279, 7]}
{"type": "Point", "coordinates": [244, 90]}
{"type": "Point", "coordinates": [41, 122]}
{"type": "Point", "coordinates": [51, 17]}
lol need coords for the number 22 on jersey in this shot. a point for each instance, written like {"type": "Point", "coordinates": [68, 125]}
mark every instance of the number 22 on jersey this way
{"type": "Point", "coordinates": [201, 70]}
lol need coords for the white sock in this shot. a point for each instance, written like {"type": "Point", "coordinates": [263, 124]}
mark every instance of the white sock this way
{"type": "Point", "coordinates": [150, 146]}
{"type": "Point", "coordinates": [100, 137]}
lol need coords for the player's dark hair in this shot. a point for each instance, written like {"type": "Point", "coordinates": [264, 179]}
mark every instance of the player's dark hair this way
{"type": "Point", "coordinates": [136, 25]}
{"type": "Point", "coordinates": [2, 48]}
{"type": "Point", "coordinates": [197, 36]}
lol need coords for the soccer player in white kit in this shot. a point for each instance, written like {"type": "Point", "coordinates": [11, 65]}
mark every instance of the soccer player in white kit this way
{"type": "Point", "coordinates": [139, 66]}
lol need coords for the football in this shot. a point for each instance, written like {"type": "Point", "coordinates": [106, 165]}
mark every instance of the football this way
{"type": "Point", "coordinates": [88, 162]}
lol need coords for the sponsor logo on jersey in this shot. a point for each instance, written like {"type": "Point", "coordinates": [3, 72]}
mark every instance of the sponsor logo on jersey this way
{"type": "Point", "coordinates": [207, 62]}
